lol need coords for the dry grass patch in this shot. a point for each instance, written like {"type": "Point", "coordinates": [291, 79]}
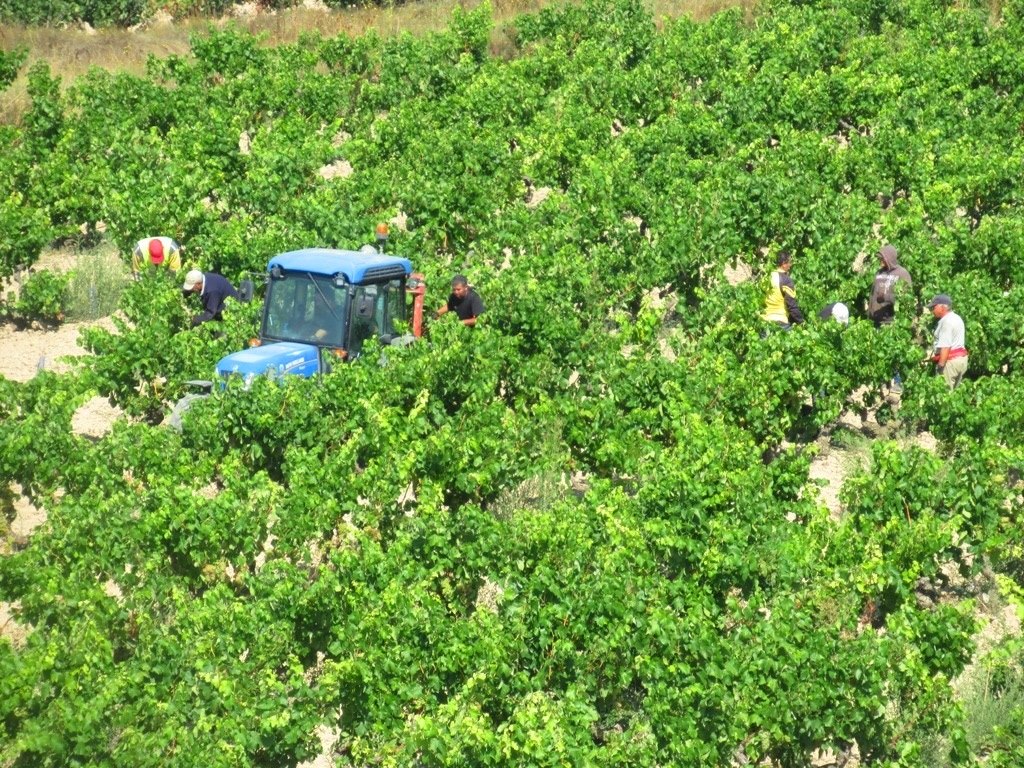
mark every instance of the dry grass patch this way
{"type": "Point", "coordinates": [71, 52]}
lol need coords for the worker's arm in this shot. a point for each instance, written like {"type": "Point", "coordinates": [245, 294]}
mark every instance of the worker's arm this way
{"type": "Point", "coordinates": [201, 318]}
{"type": "Point", "coordinates": [789, 296]}
{"type": "Point", "coordinates": [213, 304]}
{"type": "Point", "coordinates": [441, 311]}
{"type": "Point", "coordinates": [942, 345]}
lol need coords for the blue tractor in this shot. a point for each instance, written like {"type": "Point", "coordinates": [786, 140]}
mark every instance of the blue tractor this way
{"type": "Point", "coordinates": [321, 306]}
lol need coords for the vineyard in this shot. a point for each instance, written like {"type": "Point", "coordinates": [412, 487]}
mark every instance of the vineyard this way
{"type": "Point", "coordinates": [583, 532]}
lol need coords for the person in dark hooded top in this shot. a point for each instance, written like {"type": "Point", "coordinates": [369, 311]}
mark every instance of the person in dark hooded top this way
{"type": "Point", "coordinates": [885, 289]}
{"type": "Point", "coordinates": [885, 292]}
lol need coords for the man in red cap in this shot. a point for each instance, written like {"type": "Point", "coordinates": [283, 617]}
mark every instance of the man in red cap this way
{"type": "Point", "coordinates": [155, 252]}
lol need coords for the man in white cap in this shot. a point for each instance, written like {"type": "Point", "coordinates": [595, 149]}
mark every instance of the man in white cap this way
{"type": "Point", "coordinates": [949, 352]}
{"type": "Point", "coordinates": [155, 252]}
{"type": "Point", "coordinates": [837, 311]}
{"type": "Point", "coordinates": [213, 290]}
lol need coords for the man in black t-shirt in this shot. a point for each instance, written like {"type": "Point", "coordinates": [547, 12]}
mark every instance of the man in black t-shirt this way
{"type": "Point", "coordinates": [463, 301]}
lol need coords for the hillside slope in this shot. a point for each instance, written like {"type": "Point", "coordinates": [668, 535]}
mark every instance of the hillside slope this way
{"type": "Point", "coordinates": [583, 532]}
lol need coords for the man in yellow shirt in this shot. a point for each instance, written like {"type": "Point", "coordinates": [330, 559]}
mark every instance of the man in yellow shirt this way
{"type": "Point", "coordinates": [155, 252]}
{"type": "Point", "coordinates": [780, 306]}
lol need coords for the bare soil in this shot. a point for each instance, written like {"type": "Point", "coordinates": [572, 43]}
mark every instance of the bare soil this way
{"type": "Point", "coordinates": [28, 351]}
{"type": "Point", "coordinates": [830, 468]}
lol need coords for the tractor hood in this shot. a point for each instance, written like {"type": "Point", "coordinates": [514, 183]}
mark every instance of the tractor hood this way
{"type": "Point", "coordinates": [278, 359]}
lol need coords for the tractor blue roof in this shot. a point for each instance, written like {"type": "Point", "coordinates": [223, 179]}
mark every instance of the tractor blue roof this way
{"type": "Point", "coordinates": [357, 266]}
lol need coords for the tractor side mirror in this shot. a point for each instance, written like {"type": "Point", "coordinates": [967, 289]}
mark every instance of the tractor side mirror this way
{"type": "Point", "coordinates": [246, 289]}
{"type": "Point", "coordinates": [364, 307]}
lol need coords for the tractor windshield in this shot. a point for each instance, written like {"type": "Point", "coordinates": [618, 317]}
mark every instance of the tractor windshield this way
{"type": "Point", "coordinates": [306, 308]}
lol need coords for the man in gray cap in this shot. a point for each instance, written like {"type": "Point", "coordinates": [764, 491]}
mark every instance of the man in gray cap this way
{"type": "Point", "coordinates": [948, 352]}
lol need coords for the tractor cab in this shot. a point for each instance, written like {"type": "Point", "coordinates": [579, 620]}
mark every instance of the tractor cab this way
{"type": "Point", "coordinates": [322, 305]}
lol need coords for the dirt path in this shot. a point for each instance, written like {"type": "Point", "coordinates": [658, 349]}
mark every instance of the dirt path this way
{"type": "Point", "coordinates": [828, 470]}
{"type": "Point", "coordinates": [28, 351]}
{"type": "Point", "coordinates": [838, 457]}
